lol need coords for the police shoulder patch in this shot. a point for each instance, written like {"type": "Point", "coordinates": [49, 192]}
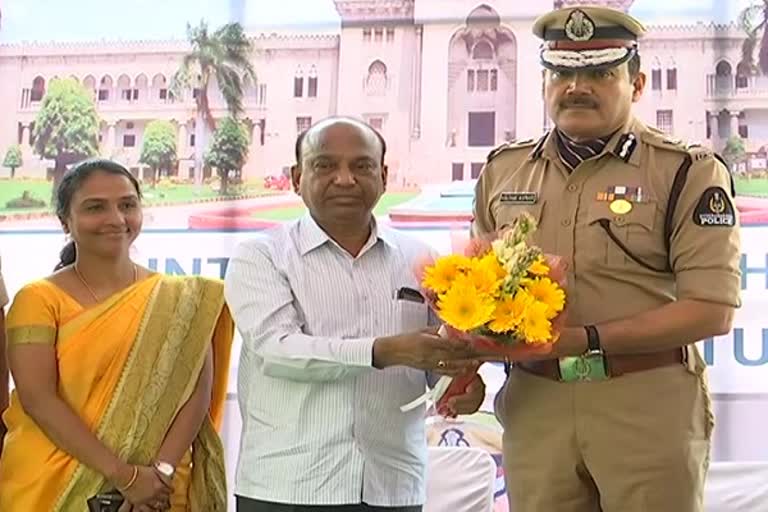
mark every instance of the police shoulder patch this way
{"type": "Point", "coordinates": [714, 209]}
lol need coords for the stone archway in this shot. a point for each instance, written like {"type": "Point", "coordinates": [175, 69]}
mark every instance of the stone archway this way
{"type": "Point", "coordinates": [482, 82]}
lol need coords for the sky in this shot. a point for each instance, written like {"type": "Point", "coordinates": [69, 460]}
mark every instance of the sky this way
{"type": "Point", "coordinates": [85, 20]}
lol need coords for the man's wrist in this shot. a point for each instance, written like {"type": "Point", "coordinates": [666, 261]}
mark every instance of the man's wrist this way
{"type": "Point", "coordinates": [572, 342]}
{"type": "Point", "coordinates": [382, 352]}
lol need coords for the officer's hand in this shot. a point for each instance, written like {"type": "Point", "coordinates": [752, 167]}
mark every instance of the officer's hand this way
{"type": "Point", "coordinates": [469, 401]}
{"type": "Point", "coordinates": [425, 350]}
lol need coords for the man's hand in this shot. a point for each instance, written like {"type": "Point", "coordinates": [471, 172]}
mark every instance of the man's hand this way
{"type": "Point", "coordinates": [469, 402]}
{"type": "Point", "coordinates": [425, 350]}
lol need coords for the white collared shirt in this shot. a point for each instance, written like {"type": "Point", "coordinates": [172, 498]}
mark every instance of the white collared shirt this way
{"type": "Point", "coordinates": [321, 426]}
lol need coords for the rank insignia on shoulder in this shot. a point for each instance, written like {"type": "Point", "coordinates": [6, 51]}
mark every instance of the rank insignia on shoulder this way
{"type": "Point", "coordinates": [699, 152]}
{"type": "Point", "coordinates": [714, 209]}
{"type": "Point", "coordinates": [509, 145]}
{"type": "Point", "coordinates": [513, 198]}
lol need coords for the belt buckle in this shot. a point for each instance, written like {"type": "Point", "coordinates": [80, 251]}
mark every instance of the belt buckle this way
{"type": "Point", "coordinates": [583, 368]}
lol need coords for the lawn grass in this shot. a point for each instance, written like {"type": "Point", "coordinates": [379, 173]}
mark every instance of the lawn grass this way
{"type": "Point", "coordinates": [753, 187]}
{"type": "Point", "coordinates": [40, 189]}
{"type": "Point", "coordinates": [285, 213]}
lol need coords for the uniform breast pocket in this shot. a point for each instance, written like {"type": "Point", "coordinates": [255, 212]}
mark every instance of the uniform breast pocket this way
{"type": "Point", "coordinates": [631, 238]}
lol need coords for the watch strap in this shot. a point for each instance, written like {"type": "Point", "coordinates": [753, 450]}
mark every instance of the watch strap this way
{"type": "Point", "coordinates": [593, 339]}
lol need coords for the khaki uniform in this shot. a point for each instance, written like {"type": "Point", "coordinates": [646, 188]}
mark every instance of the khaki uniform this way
{"type": "Point", "coordinates": [638, 442]}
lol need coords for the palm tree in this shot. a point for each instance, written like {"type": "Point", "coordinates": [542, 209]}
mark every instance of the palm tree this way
{"type": "Point", "coordinates": [754, 21]}
{"type": "Point", "coordinates": [223, 55]}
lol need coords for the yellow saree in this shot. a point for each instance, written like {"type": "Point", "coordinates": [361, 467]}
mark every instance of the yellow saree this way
{"type": "Point", "coordinates": [126, 366]}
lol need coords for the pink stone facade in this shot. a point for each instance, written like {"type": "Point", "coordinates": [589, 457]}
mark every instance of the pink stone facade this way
{"type": "Point", "coordinates": [444, 80]}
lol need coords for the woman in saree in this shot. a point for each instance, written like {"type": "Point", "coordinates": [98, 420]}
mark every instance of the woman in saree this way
{"type": "Point", "coordinates": [120, 372]}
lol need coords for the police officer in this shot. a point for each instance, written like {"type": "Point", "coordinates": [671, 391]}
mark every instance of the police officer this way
{"type": "Point", "coordinates": [618, 418]}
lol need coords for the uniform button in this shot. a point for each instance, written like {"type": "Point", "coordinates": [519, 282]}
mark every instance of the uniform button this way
{"type": "Point", "coordinates": [566, 222]}
{"type": "Point", "coordinates": [619, 220]}
{"type": "Point", "coordinates": [572, 188]}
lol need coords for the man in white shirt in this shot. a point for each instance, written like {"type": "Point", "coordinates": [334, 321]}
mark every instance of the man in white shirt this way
{"type": "Point", "coordinates": [3, 358]}
{"type": "Point", "coordinates": [335, 340]}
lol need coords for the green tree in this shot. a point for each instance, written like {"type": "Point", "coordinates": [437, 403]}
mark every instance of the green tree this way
{"type": "Point", "coordinates": [754, 21]}
{"type": "Point", "coordinates": [66, 127]}
{"type": "Point", "coordinates": [223, 56]}
{"type": "Point", "coordinates": [13, 159]}
{"type": "Point", "coordinates": [228, 151]}
{"type": "Point", "coordinates": [159, 148]}
{"type": "Point", "coordinates": [734, 152]}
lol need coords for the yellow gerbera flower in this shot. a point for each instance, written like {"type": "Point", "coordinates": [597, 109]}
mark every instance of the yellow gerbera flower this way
{"type": "Point", "coordinates": [535, 327]}
{"type": "Point", "coordinates": [510, 312]}
{"type": "Point", "coordinates": [439, 276]}
{"type": "Point", "coordinates": [492, 262]}
{"type": "Point", "coordinates": [463, 308]}
{"type": "Point", "coordinates": [539, 267]}
{"type": "Point", "coordinates": [483, 275]}
{"type": "Point", "coordinates": [544, 290]}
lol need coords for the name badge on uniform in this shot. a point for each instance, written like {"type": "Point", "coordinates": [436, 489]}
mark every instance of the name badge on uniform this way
{"type": "Point", "coordinates": [518, 198]}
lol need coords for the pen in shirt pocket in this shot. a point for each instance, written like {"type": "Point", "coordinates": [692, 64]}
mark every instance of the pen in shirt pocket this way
{"type": "Point", "coordinates": [409, 294]}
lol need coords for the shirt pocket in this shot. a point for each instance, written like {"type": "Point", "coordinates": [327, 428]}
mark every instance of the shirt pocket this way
{"type": "Point", "coordinates": [619, 240]}
{"type": "Point", "coordinates": [410, 315]}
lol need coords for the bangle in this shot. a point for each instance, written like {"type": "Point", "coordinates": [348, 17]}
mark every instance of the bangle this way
{"type": "Point", "coordinates": [131, 481]}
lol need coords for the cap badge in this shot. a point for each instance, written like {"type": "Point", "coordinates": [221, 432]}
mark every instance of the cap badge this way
{"type": "Point", "coordinates": [579, 27]}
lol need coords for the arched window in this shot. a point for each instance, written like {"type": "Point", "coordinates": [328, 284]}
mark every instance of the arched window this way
{"type": "Point", "coordinates": [298, 83]}
{"type": "Point", "coordinates": [656, 74]}
{"type": "Point", "coordinates": [482, 51]}
{"type": "Point", "coordinates": [376, 81]}
{"type": "Point", "coordinates": [312, 83]}
{"type": "Point", "coordinates": [671, 75]}
{"type": "Point", "coordinates": [105, 85]}
{"type": "Point", "coordinates": [38, 89]}
{"type": "Point", "coordinates": [89, 82]}
{"type": "Point", "coordinates": [723, 76]}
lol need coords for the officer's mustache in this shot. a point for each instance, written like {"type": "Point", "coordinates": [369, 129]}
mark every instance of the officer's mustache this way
{"type": "Point", "coordinates": [578, 101]}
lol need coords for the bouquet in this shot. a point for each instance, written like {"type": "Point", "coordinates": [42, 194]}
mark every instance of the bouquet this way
{"type": "Point", "coordinates": [502, 295]}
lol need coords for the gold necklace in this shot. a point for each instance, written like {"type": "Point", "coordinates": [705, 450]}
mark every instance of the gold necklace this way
{"type": "Point", "coordinates": [90, 290]}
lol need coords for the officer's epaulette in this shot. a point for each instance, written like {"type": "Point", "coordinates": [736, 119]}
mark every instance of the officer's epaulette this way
{"type": "Point", "coordinates": [699, 152]}
{"type": "Point", "coordinates": [661, 140]}
{"type": "Point", "coordinates": [508, 146]}
{"type": "Point", "coordinates": [696, 151]}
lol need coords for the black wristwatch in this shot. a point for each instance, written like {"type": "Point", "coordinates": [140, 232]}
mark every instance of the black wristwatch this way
{"type": "Point", "coordinates": [593, 341]}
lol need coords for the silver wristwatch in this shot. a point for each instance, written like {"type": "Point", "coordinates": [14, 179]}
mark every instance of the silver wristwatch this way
{"type": "Point", "coordinates": [165, 469]}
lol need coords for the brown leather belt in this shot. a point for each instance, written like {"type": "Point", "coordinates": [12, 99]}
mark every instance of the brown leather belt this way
{"type": "Point", "coordinates": [618, 365]}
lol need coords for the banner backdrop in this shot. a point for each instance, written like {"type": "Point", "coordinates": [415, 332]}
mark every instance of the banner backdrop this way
{"type": "Point", "coordinates": [738, 361]}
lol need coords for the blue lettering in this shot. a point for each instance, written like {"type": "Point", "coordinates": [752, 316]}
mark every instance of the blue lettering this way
{"type": "Point", "coordinates": [173, 268]}
{"type": "Point", "coordinates": [223, 263]}
{"type": "Point", "coordinates": [745, 271]}
{"type": "Point", "coordinates": [738, 349]}
{"type": "Point", "coordinates": [708, 346]}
